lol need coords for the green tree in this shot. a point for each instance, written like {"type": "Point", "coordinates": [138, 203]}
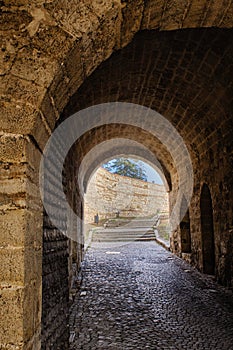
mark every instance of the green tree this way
{"type": "Point", "coordinates": [126, 167]}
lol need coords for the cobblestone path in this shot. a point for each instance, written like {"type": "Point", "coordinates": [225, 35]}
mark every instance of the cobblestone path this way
{"type": "Point", "coordinates": [139, 296]}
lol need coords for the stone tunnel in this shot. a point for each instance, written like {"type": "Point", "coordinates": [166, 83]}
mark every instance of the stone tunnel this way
{"type": "Point", "coordinates": [63, 58]}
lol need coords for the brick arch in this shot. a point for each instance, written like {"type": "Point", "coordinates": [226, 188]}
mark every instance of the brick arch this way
{"type": "Point", "coordinates": [179, 74]}
{"type": "Point", "coordinates": [186, 76]}
{"type": "Point", "coordinates": [131, 133]}
{"type": "Point", "coordinates": [115, 148]}
{"type": "Point", "coordinates": [113, 26]}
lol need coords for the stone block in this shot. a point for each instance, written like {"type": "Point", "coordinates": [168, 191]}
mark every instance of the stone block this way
{"type": "Point", "coordinates": [12, 265]}
{"type": "Point", "coordinates": [20, 227]}
{"type": "Point", "coordinates": [19, 193]}
{"type": "Point", "coordinates": [152, 14]}
{"type": "Point", "coordinates": [20, 316]}
{"type": "Point", "coordinates": [132, 13]}
{"type": "Point", "coordinates": [51, 40]}
{"type": "Point", "coordinates": [11, 317]}
{"type": "Point", "coordinates": [7, 54]}
{"type": "Point", "coordinates": [20, 264]}
{"type": "Point", "coordinates": [13, 148]}
{"type": "Point", "coordinates": [31, 64]}
{"type": "Point", "coordinates": [76, 18]}
{"type": "Point", "coordinates": [16, 149]}
{"type": "Point", "coordinates": [32, 308]}
{"type": "Point", "coordinates": [22, 90]}
{"type": "Point", "coordinates": [16, 117]}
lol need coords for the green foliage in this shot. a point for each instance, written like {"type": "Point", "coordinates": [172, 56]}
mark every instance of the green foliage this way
{"type": "Point", "coordinates": [126, 167]}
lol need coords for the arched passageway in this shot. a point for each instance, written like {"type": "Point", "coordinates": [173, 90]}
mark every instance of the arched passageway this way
{"type": "Point", "coordinates": [49, 50]}
{"type": "Point", "coordinates": [148, 72]}
{"type": "Point", "coordinates": [207, 231]}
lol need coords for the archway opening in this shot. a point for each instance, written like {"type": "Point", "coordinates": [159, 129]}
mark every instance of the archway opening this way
{"type": "Point", "coordinates": [147, 83]}
{"type": "Point", "coordinates": [127, 193]}
{"type": "Point", "coordinates": [185, 234]}
{"type": "Point", "coordinates": [207, 231]}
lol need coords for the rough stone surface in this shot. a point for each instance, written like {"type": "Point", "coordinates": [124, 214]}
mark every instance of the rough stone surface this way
{"type": "Point", "coordinates": [20, 242]}
{"type": "Point", "coordinates": [59, 258]}
{"type": "Point", "coordinates": [137, 295]}
{"type": "Point", "coordinates": [48, 49]}
{"type": "Point", "coordinates": [55, 291]}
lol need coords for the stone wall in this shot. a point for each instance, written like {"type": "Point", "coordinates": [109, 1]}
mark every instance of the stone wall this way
{"type": "Point", "coordinates": [108, 193]}
{"type": "Point", "coordinates": [62, 253]}
{"type": "Point", "coordinates": [55, 289]}
{"type": "Point", "coordinates": [21, 225]}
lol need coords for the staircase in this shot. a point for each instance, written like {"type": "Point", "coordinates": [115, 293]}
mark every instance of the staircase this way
{"type": "Point", "coordinates": [140, 229]}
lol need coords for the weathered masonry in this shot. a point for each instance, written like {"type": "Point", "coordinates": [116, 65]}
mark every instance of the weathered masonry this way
{"type": "Point", "coordinates": [109, 193]}
{"type": "Point", "coordinates": [59, 57]}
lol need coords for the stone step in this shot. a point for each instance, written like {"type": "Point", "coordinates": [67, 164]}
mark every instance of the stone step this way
{"type": "Point", "coordinates": [129, 234]}
{"type": "Point", "coordinates": [131, 225]}
{"type": "Point", "coordinates": [117, 236]}
{"type": "Point", "coordinates": [123, 238]}
{"type": "Point", "coordinates": [139, 229]}
{"type": "Point", "coordinates": [126, 239]}
{"type": "Point", "coordinates": [139, 222]}
{"type": "Point", "coordinates": [124, 230]}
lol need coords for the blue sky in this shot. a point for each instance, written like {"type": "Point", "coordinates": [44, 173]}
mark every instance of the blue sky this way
{"type": "Point", "coordinates": [151, 173]}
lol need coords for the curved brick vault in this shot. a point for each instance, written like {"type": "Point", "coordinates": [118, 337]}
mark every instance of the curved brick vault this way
{"type": "Point", "coordinates": [114, 148]}
{"type": "Point", "coordinates": [49, 48]}
{"type": "Point", "coordinates": [113, 131]}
